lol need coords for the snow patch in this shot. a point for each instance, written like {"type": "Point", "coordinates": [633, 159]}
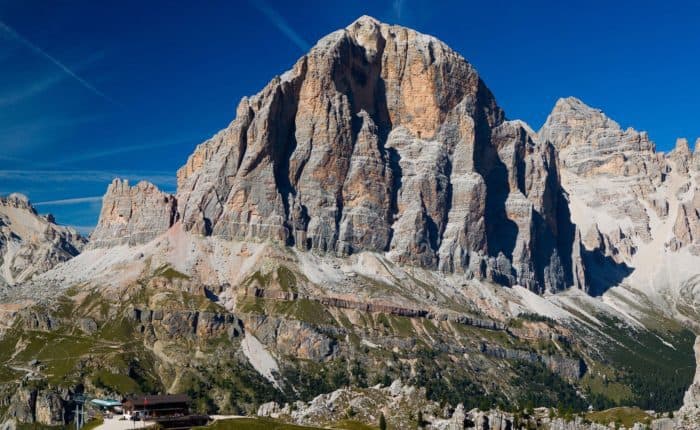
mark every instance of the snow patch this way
{"type": "Point", "coordinates": [540, 305]}
{"type": "Point", "coordinates": [261, 360]}
{"type": "Point", "coordinates": [369, 344]}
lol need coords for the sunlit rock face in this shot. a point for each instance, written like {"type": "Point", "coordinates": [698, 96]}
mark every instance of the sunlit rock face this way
{"type": "Point", "coordinates": [30, 243]}
{"type": "Point", "coordinates": [133, 214]}
{"type": "Point", "coordinates": [384, 139]}
{"type": "Point", "coordinates": [636, 208]}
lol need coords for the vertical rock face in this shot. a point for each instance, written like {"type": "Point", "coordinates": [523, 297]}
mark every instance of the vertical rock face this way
{"type": "Point", "coordinates": [49, 409]}
{"type": "Point", "coordinates": [686, 228]}
{"type": "Point", "coordinates": [133, 215]}
{"type": "Point", "coordinates": [383, 139]}
{"type": "Point", "coordinates": [366, 193]}
{"type": "Point", "coordinates": [681, 156]}
{"type": "Point", "coordinates": [292, 158]}
{"type": "Point", "coordinates": [31, 406]}
{"type": "Point", "coordinates": [685, 199]}
{"type": "Point", "coordinates": [609, 170]}
{"type": "Point", "coordinates": [691, 400]}
{"type": "Point", "coordinates": [534, 234]}
{"type": "Point", "coordinates": [631, 204]}
{"type": "Point", "coordinates": [30, 243]}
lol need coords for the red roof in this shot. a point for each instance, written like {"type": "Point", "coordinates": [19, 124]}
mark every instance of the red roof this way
{"type": "Point", "coordinates": [154, 400]}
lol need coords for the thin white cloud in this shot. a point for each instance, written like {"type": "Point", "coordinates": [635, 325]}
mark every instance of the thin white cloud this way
{"type": "Point", "coordinates": [73, 201]}
{"type": "Point", "coordinates": [8, 136]}
{"type": "Point", "coordinates": [37, 50]}
{"type": "Point", "coordinates": [278, 21]}
{"type": "Point", "coordinates": [44, 123]}
{"type": "Point", "coordinates": [31, 90]}
{"type": "Point", "coordinates": [13, 159]}
{"type": "Point", "coordinates": [39, 132]}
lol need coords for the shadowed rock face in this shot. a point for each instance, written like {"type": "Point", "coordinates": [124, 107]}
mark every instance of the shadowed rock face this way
{"type": "Point", "coordinates": [29, 243]}
{"type": "Point", "coordinates": [383, 139]}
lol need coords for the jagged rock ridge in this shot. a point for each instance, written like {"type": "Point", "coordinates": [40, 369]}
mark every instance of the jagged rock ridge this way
{"type": "Point", "coordinates": [133, 215]}
{"type": "Point", "coordinates": [633, 206]}
{"type": "Point", "coordinates": [384, 139]}
{"type": "Point", "coordinates": [30, 243]}
{"type": "Point", "coordinates": [379, 139]}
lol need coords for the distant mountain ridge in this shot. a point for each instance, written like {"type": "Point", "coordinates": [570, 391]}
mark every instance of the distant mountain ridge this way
{"type": "Point", "coordinates": [31, 244]}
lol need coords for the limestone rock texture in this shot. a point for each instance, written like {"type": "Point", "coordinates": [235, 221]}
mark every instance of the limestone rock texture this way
{"type": "Point", "coordinates": [603, 166]}
{"type": "Point", "coordinates": [364, 211]}
{"type": "Point", "coordinates": [384, 139]}
{"type": "Point", "coordinates": [133, 214]}
{"type": "Point", "coordinates": [397, 401]}
{"type": "Point", "coordinates": [636, 208]}
{"type": "Point", "coordinates": [29, 243]}
{"type": "Point", "coordinates": [689, 414]}
{"type": "Point", "coordinates": [691, 399]}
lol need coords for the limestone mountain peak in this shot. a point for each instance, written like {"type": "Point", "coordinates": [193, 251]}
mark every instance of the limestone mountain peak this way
{"type": "Point", "coordinates": [29, 243]}
{"type": "Point", "coordinates": [17, 200]}
{"type": "Point", "coordinates": [383, 139]}
{"type": "Point", "coordinates": [682, 145]}
{"type": "Point", "coordinates": [133, 214]}
{"type": "Point", "coordinates": [365, 20]}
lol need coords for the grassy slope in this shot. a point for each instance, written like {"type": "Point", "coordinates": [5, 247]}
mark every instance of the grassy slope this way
{"type": "Point", "coordinates": [650, 369]}
{"type": "Point", "coordinates": [640, 369]}
{"type": "Point", "coordinates": [623, 415]}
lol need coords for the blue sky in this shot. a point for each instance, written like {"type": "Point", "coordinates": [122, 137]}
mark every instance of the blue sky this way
{"type": "Point", "coordinates": [90, 90]}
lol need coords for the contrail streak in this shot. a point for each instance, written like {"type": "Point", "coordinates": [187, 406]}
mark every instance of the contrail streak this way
{"type": "Point", "coordinates": [39, 86]}
{"type": "Point", "coordinates": [9, 30]}
{"type": "Point", "coordinates": [35, 88]}
{"type": "Point", "coordinates": [397, 6]}
{"type": "Point", "coordinates": [281, 24]}
{"type": "Point", "coordinates": [73, 201]}
{"type": "Point", "coordinates": [119, 150]}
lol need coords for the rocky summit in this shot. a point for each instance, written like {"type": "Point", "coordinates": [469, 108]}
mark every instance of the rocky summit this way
{"type": "Point", "coordinates": [370, 236]}
{"type": "Point", "coordinates": [29, 243]}
{"type": "Point", "coordinates": [383, 139]}
{"type": "Point", "coordinates": [132, 215]}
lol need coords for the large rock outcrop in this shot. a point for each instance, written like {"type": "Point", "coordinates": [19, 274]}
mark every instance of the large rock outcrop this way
{"type": "Point", "coordinates": [47, 407]}
{"type": "Point", "coordinates": [632, 204]}
{"type": "Point", "coordinates": [133, 214]}
{"type": "Point", "coordinates": [384, 139]}
{"type": "Point", "coordinates": [29, 243]}
{"type": "Point", "coordinates": [605, 168]}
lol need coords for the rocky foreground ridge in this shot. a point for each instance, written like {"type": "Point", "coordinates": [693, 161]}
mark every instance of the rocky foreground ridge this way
{"type": "Point", "coordinates": [403, 406]}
